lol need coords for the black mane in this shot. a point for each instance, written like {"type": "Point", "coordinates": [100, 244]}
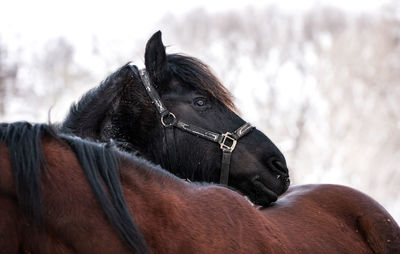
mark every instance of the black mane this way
{"type": "Point", "coordinates": [97, 160]}
{"type": "Point", "coordinates": [26, 158]}
{"type": "Point", "coordinates": [86, 122]}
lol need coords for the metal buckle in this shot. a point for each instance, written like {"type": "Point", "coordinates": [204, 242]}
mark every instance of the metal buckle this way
{"type": "Point", "coordinates": [228, 147]}
{"type": "Point", "coordinates": [169, 123]}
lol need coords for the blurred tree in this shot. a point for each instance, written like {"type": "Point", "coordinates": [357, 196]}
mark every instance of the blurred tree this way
{"type": "Point", "coordinates": [48, 79]}
{"type": "Point", "coordinates": [8, 75]}
{"type": "Point", "coordinates": [58, 69]}
{"type": "Point", "coordinates": [360, 79]}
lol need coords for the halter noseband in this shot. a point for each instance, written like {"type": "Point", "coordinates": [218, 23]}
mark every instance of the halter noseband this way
{"type": "Point", "coordinates": [227, 141]}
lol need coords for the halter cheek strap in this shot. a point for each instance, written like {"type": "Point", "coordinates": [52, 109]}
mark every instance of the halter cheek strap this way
{"type": "Point", "coordinates": [227, 141]}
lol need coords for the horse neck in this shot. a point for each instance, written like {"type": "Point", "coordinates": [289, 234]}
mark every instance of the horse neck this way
{"type": "Point", "coordinates": [87, 118]}
{"type": "Point", "coordinates": [150, 181]}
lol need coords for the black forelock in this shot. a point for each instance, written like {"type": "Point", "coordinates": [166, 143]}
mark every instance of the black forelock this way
{"type": "Point", "coordinates": [192, 71]}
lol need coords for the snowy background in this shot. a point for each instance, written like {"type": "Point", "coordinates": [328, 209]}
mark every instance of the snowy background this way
{"type": "Point", "coordinates": [320, 78]}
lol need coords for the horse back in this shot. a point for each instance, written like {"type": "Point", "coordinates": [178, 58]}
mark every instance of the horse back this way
{"type": "Point", "coordinates": [355, 214]}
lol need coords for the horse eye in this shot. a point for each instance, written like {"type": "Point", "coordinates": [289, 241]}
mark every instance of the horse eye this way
{"type": "Point", "coordinates": [200, 102]}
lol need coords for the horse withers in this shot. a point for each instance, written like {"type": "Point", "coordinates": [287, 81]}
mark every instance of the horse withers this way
{"type": "Point", "coordinates": [62, 194]}
{"type": "Point", "coordinates": [177, 114]}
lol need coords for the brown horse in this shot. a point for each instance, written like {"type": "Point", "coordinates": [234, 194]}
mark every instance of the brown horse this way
{"type": "Point", "coordinates": [61, 194]}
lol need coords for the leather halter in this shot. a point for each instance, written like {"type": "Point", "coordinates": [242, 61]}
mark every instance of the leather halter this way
{"type": "Point", "coordinates": [227, 141]}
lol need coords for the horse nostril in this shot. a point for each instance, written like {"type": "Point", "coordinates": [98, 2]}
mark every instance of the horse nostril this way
{"type": "Point", "coordinates": [279, 167]}
{"type": "Point", "coordinates": [285, 184]}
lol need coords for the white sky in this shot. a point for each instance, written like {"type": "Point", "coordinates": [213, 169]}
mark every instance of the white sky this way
{"type": "Point", "coordinates": [27, 25]}
{"type": "Point", "coordinates": [78, 19]}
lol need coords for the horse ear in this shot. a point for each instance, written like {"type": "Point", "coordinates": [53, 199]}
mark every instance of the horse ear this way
{"type": "Point", "coordinates": [155, 59]}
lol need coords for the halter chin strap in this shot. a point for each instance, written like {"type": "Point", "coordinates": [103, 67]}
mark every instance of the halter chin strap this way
{"type": "Point", "coordinates": [227, 141]}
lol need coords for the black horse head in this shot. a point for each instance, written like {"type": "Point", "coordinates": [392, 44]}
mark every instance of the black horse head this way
{"type": "Point", "coordinates": [121, 109]}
